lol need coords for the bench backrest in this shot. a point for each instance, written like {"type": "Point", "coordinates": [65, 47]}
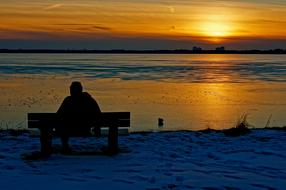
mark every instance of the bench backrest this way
{"type": "Point", "coordinates": [107, 119]}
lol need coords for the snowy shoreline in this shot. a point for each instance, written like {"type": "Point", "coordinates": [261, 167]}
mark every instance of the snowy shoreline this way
{"type": "Point", "coordinates": [163, 160]}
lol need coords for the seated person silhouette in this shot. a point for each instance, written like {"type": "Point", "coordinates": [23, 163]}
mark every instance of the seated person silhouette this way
{"type": "Point", "coordinates": [77, 114]}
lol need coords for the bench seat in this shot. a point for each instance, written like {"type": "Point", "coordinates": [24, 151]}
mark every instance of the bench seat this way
{"type": "Point", "coordinates": [48, 122]}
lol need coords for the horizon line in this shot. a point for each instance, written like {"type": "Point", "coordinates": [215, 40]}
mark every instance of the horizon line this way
{"type": "Point", "coordinates": [219, 50]}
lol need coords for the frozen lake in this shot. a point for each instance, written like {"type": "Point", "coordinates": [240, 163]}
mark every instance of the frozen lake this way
{"type": "Point", "coordinates": [189, 92]}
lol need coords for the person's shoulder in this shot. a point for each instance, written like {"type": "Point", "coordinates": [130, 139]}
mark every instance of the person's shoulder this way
{"type": "Point", "coordinates": [67, 99]}
{"type": "Point", "coordinates": [86, 94]}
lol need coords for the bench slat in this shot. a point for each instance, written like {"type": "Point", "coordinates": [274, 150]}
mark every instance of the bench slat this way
{"type": "Point", "coordinates": [41, 123]}
{"type": "Point", "coordinates": [38, 124]}
{"type": "Point", "coordinates": [119, 115]}
{"type": "Point", "coordinates": [118, 123]}
{"type": "Point", "coordinates": [42, 116]}
{"type": "Point", "coordinates": [108, 119]}
{"type": "Point", "coordinates": [51, 116]}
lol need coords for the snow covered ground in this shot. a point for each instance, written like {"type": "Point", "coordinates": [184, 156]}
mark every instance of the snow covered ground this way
{"type": "Point", "coordinates": [169, 160]}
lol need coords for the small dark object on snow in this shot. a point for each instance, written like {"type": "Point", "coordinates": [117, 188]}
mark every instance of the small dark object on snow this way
{"type": "Point", "coordinates": [160, 122]}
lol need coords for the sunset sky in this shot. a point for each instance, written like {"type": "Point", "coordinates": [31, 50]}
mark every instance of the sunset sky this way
{"type": "Point", "coordinates": [143, 24]}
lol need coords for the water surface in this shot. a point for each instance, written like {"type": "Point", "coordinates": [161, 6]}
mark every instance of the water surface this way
{"type": "Point", "coordinates": [189, 92]}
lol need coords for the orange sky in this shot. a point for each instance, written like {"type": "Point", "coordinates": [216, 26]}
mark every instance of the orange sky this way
{"type": "Point", "coordinates": [202, 22]}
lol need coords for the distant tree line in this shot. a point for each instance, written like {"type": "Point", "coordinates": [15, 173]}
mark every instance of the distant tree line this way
{"type": "Point", "coordinates": [195, 50]}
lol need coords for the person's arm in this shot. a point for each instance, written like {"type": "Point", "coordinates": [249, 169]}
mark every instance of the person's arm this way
{"type": "Point", "coordinates": [63, 108]}
{"type": "Point", "coordinates": [93, 105]}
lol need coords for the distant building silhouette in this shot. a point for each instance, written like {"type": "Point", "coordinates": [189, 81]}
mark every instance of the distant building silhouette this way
{"type": "Point", "coordinates": [220, 48]}
{"type": "Point", "coordinates": [278, 50]}
{"type": "Point", "coordinates": [196, 49]}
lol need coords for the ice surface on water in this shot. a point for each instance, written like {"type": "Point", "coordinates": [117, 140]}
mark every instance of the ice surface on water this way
{"type": "Point", "coordinates": [187, 91]}
{"type": "Point", "coordinates": [186, 68]}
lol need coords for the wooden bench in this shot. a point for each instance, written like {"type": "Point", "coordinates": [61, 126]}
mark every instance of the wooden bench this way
{"type": "Point", "coordinates": [47, 122]}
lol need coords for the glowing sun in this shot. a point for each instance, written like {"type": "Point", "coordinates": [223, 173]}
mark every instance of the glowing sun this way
{"type": "Point", "coordinates": [215, 29]}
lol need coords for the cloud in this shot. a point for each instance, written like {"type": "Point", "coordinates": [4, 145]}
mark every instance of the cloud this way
{"type": "Point", "coordinates": [91, 26]}
{"type": "Point", "coordinates": [54, 6]}
{"type": "Point", "coordinates": [101, 28]}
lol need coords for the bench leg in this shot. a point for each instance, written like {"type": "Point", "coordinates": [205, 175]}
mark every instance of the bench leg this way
{"type": "Point", "coordinates": [46, 140]}
{"type": "Point", "coordinates": [113, 140]}
{"type": "Point", "coordinates": [97, 131]}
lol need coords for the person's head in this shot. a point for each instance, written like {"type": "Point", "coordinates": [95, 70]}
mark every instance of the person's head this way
{"type": "Point", "coordinates": [76, 89]}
